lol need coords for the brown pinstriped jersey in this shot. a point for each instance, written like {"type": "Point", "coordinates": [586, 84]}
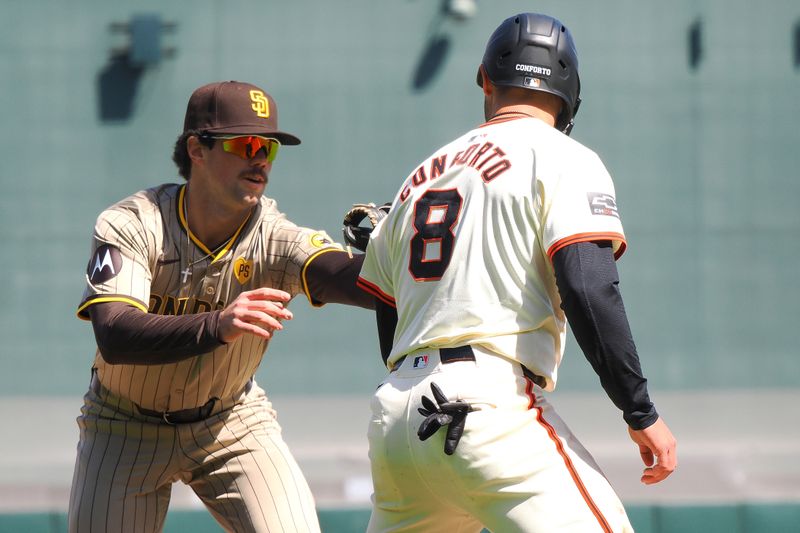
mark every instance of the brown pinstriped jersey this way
{"type": "Point", "coordinates": [143, 254]}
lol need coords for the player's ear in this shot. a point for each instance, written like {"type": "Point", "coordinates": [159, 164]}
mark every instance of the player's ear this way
{"type": "Point", "coordinates": [485, 84]}
{"type": "Point", "coordinates": [194, 149]}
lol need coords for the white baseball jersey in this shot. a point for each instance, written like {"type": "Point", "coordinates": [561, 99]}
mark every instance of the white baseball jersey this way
{"type": "Point", "coordinates": [465, 252]}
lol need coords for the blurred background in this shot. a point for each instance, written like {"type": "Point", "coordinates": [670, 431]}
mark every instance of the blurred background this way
{"type": "Point", "coordinates": [693, 107]}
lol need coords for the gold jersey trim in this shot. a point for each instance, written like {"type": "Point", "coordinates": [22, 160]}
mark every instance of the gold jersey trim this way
{"type": "Point", "coordinates": [304, 281]}
{"type": "Point", "coordinates": [84, 315]}
{"type": "Point", "coordinates": [221, 252]}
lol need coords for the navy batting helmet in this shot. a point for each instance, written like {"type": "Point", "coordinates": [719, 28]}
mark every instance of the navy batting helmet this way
{"type": "Point", "coordinates": [536, 52]}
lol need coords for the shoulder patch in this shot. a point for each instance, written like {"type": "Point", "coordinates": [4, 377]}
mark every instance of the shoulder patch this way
{"type": "Point", "coordinates": [105, 264]}
{"type": "Point", "coordinates": [602, 204]}
{"type": "Point", "coordinates": [318, 240]}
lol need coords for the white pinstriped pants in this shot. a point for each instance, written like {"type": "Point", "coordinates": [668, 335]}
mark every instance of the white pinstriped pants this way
{"type": "Point", "coordinates": [517, 468]}
{"type": "Point", "coordinates": [235, 461]}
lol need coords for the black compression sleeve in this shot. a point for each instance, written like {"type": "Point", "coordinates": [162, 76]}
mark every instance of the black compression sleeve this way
{"type": "Point", "coordinates": [125, 335]}
{"type": "Point", "coordinates": [587, 280]}
{"type": "Point", "coordinates": [332, 278]}
{"type": "Point", "coordinates": [386, 316]}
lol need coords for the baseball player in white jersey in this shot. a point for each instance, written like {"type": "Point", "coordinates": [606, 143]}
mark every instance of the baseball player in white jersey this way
{"type": "Point", "coordinates": [186, 285]}
{"type": "Point", "coordinates": [491, 244]}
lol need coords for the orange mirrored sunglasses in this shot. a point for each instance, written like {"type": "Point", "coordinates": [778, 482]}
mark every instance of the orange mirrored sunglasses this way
{"type": "Point", "coordinates": [247, 147]}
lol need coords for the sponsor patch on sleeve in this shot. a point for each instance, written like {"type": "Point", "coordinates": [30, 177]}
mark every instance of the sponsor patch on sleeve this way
{"type": "Point", "coordinates": [602, 204]}
{"type": "Point", "coordinates": [105, 264]}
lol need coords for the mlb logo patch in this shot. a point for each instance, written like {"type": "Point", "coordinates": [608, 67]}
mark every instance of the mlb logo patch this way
{"type": "Point", "coordinates": [532, 82]}
{"type": "Point", "coordinates": [421, 361]}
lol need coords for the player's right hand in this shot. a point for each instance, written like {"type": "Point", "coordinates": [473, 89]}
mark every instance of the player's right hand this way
{"type": "Point", "coordinates": [259, 312]}
{"type": "Point", "coordinates": [657, 447]}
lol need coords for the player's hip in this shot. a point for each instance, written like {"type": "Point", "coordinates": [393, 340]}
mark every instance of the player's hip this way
{"type": "Point", "coordinates": [476, 372]}
{"type": "Point", "coordinates": [101, 404]}
{"type": "Point", "coordinates": [501, 423]}
{"type": "Point", "coordinates": [494, 387]}
{"type": "Point", "coordinates": [537, 348]}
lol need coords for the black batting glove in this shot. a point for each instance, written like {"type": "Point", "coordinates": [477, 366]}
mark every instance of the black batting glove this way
{"type": "Point", "coordinates": [446, 413]}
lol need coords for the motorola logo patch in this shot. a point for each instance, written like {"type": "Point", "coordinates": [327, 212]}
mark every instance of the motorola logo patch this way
{"type": "Point", "coordinates": [602, 204]}
{"type": "Point", "coordinates": [105, 264]}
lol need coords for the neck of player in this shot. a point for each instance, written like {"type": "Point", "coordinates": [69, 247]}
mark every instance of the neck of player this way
{"type": "Point", "coordinates": [208, 219]}
{"type": "Point", "coordinates": [525, 110]}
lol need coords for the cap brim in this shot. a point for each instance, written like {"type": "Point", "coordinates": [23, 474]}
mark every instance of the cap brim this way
{"type": "Point", "coordinates": [282, 136]}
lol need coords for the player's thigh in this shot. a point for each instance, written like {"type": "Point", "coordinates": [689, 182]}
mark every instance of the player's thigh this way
{"type": "Point", "coordinates": [252, 482]}
{"type": "Point", "coordinates": [121, 480]}
{"type": "Point", "coordinates": [395, 478]}
{"type": "Point", "coordinates": [422, 518]}
{"type": "Point", "coordinates": [543, 478]}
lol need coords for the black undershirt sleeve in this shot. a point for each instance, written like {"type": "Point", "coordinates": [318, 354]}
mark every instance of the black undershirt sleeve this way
{"type": "Point", "coordinates": [587, 281]}
{"type": "Point", "coordinates": [332, 277]}
{"type": "Point", "coordinates": [386, 316]}
{"type": "Point", "coordinates": [126, 335]}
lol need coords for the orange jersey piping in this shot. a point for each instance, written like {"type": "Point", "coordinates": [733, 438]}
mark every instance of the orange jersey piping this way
{"type": "Point", "coordinates": [567, 460]}
{"type": "Point", "coordinates": [497, 120]}
{"type": "Point", "coordinates": [589, 237]}
{"type": "Point", "coordinates": [376, 291]}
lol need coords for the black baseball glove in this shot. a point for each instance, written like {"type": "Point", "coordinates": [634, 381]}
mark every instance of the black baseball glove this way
{"type": "Point", "coordinates": [359, 222]}
{"type": "Point", "coordinates": [446, 413]}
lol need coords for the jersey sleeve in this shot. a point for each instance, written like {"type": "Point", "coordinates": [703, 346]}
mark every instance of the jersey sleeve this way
{"type": "Point", "coordinates": [119, 264]}
{"type": "Point", "coordinates": [292, 248]}
{"type": "Point", "coordinates": [580, 206]}
{"type": "Point", "coordinates": [375, 276]}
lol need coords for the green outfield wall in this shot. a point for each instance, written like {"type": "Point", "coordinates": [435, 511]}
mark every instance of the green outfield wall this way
{"type": "Point", "coordinates": [745, 518]}
{"type": "Point", "coordinates": [692, 105]}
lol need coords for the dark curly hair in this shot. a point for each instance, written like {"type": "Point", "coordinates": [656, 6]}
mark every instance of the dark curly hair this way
{"type": "Point", "coordinates": [181, 156]}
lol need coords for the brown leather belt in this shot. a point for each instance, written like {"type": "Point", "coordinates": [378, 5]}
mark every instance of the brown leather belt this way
{"type": "Point", "coordinates": [465, 353]}
{"type": "Point", "coordinates": [182, 416]}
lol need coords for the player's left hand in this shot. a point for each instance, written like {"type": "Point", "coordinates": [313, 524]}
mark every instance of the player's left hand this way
{"type": "Point", "coordinates": [657, 447]}
{"type": "Point", "coordinates": [446, 413]}
{"type": "Point", "coordinates": [355, 233]}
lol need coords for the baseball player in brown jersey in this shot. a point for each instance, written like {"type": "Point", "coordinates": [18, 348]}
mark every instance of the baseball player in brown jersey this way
{"type": "Point", "coordinates": [186, 285]}
{"type": "Point", "coordinates": [491, 245]}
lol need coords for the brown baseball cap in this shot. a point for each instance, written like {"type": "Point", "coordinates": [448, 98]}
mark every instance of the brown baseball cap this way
{"type": "Point", "coordinates": [234, 108]}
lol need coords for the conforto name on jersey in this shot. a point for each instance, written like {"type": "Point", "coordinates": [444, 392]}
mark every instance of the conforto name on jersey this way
{"type": "Point", "coordinates": [485, 157]}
